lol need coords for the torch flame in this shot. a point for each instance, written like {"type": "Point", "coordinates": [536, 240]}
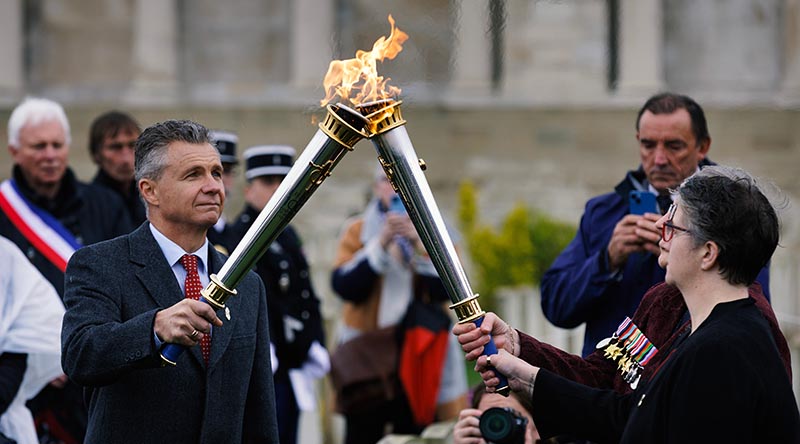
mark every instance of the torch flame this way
{"type": "Point", "coordinates": [359, 76]}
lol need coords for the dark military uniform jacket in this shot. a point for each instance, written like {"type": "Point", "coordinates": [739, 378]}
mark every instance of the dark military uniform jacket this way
{"type": "Point", "coordinates": [294, 314]}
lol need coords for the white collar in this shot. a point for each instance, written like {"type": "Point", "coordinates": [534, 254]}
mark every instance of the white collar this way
{"type": "Point", "coordinates": [173, 252]}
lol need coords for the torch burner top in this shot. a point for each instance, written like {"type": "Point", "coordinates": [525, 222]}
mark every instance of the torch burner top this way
{"type": "Point", "coordinates": [351, 116]}
{"type": "Point", "coordinates": [383, 115]}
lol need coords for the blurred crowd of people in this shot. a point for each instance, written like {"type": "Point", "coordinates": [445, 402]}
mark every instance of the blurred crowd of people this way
{"type": "Point", "coordinates": [109, 332]}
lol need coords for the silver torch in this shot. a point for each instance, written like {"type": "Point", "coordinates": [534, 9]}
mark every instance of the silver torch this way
{"type": "Point", "coordinates": [405, 172]}
{"type": "Point", "coordinates": [341, 129]}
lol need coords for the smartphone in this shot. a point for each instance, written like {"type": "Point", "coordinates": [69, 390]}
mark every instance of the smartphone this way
{"type": "Point", "coordinates": [396, 205]}
{"type": "Point", "coordinates": [642, 202]}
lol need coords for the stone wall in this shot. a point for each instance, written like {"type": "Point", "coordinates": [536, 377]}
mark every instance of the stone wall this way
{"type": "Point", "coordinates": [552, 52]}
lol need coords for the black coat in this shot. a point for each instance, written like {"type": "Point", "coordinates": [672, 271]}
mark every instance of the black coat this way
{"type": "Point", "coordinates": [113, 292]}
{"type": "Point", "coordinates": [133, 202]}
{"type": "Point", "coordinates": [90, 212]}
{"type": "Point", "coordinates": [723, 383]}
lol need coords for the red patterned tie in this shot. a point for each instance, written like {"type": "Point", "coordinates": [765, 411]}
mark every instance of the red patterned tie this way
{"type": "Point", "coordinates": [191, 289]}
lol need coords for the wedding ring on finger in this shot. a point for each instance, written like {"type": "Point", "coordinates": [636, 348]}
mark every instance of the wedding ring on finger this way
{"type": "Point", "coordinates": [194, 334]}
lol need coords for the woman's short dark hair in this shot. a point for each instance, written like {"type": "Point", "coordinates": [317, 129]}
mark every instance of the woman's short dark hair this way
{"type": "Point", "coordinates": [727, 206]}
{"type": "Point", "coordinates": [151, 146]}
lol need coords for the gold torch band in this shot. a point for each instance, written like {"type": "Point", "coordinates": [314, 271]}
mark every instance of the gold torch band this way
{"type": "Point", "coordinates": [468, 310]}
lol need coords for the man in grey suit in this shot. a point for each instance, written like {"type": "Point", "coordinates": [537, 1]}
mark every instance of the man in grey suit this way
{"type": "Point", "coordinates": [125, 300]}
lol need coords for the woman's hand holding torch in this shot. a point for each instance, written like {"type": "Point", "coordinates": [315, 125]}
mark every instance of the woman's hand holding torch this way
{"type": "Point", "coordinates": [502, 363]}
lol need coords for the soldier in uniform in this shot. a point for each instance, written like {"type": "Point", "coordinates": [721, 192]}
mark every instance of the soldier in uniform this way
{"type": "Point", "coordinates": [295, 322]}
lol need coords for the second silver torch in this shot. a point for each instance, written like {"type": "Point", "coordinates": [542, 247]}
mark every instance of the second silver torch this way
{"type": "Point", "coordinates": [405, 171]}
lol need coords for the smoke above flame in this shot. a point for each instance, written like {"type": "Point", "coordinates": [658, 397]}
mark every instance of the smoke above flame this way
{"type": "Point", "coordinates": [356, 80]}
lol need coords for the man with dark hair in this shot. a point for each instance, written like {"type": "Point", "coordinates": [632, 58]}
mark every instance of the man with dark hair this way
{"type": "Point", "coordinates": [112, 138]}
{"type": "Point", "coordinates": [467, 429]}
{"type": "Point", "coordinates": [601, 276]}
{"type": "Point", "coordinates": [128, 297]}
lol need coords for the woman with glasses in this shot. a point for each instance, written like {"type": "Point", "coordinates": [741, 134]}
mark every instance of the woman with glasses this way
{"type": "Point", "coordinates": [722, 380]}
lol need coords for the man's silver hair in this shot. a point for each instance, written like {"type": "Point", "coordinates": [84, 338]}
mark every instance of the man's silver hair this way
{"type": "Point", "coordinates": [33, 111]}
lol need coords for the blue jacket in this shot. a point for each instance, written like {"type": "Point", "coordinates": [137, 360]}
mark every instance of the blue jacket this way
{"type": "Point", "coordinates": [578, 288]}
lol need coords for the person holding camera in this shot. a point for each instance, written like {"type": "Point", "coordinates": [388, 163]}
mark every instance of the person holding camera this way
{"type": "Point", "coordinates": [497, 419]}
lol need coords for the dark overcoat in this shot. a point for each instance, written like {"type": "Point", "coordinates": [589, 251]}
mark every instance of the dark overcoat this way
{"type": "Point", "coordinates": [113, 291]}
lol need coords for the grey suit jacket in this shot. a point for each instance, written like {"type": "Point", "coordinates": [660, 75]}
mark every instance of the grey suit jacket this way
{"type": "Point", "coordinates": [113, 291]}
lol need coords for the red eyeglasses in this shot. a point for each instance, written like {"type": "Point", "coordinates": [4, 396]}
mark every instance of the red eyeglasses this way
{"type": "Point", "coordinates": [668, 229]}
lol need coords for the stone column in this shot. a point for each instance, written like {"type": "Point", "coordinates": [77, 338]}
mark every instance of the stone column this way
{"type": "Point", "coordinates": [155, 52]}
{"type": "Point", "coordinates": [641, 55]}
{"type": "Point", "coordinates": [791, 74]}
{"type": "Point", "coordinates": [11, 42]}
{"type": "Point", "coordinates": [312, 50]}
{"type": "Point", "coordinates": [472, 70]}
{"type": "Point", "coordinates": [311, 45]}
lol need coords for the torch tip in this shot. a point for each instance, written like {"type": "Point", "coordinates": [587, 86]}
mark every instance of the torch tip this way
{"type": "Point", "coordinates": [351, 116]}
{"type": "Point", "coordinates": [367, 108]}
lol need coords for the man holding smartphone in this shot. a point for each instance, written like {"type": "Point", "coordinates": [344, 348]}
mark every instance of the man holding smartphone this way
{"type": "Point", "coordinates": [601, 276]}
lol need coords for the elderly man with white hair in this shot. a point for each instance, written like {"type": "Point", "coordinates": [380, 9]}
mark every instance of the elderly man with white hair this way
{"type": "Point", "coordinates": [48, 213]}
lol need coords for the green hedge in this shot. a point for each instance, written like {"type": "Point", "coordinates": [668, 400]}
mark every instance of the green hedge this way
{"type": "Point", "coordinates": [518, 253]}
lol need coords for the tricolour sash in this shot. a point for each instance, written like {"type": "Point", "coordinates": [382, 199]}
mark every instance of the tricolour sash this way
{"type": "Point", "coordinates": [41, 229]}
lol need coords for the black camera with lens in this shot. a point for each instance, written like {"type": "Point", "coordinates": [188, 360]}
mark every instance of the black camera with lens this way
{"type": "Point", "coordinates": [503, 425]}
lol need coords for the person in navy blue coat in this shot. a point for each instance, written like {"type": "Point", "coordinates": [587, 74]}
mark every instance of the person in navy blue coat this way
{"type": "Point", "coordinates": [601, 276]}
{"type": "Point", "coordinates": [48, 213]}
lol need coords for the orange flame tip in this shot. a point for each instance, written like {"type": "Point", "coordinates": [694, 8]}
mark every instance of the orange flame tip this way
{"type": "Point", "coordinates": [359, 76]}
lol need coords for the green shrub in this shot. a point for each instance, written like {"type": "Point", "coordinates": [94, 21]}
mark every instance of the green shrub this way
{"type": "Point", "coordinates": [517, 254]}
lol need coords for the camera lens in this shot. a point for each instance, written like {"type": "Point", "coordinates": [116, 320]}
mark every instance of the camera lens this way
{"type": "Point", "coordinates": [497, 425]}
{"type": "Point", "coordinates": [503, 425]}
